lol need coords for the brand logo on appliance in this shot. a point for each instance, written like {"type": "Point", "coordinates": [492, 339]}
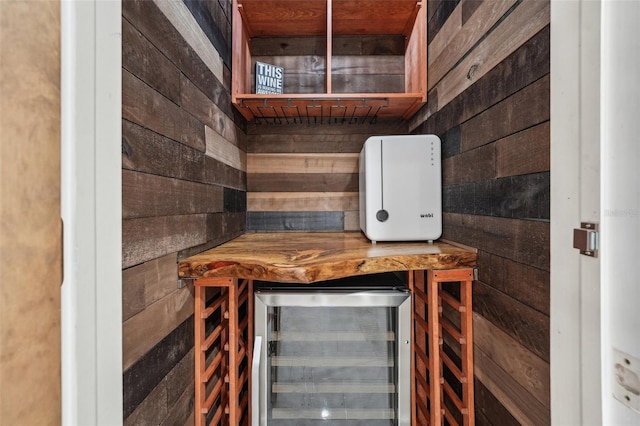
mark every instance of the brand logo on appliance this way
{"type": "Point", "coordinates": [426, 215]}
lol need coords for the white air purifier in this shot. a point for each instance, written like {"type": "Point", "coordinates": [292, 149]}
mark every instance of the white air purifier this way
{"type": "Point", "coordinates": [401, 188]}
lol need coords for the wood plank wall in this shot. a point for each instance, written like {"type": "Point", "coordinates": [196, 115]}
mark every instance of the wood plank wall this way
{"type": "Point", "coordinates": [359, 64]}
{"type": "Point", "coordinates": [488, 100]}
{"type": "Point", "coordinates": [184, 189]}
{"type": "Point", "coordinates": [304, 176]}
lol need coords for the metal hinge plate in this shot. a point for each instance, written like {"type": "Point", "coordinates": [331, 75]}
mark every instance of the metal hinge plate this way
{"type": "Point", "coordinates": [586, 239]}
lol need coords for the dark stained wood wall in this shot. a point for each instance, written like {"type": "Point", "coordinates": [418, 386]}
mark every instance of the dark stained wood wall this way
{"type": "Point", "coordinates": [184, 184]}
{"type": "Point", "coordinates": [184, 189]}
{"type": "Point", "coordinates": [488, 100]}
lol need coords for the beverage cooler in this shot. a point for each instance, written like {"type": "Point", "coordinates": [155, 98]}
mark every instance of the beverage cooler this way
{"type": "Point", "coordinates": [332, 356]}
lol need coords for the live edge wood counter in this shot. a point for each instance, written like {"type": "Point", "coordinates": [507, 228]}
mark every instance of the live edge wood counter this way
{"type": "Point", "coordinates": [224, 350]}
{"type": "Point", "coordinates": [317, 256]}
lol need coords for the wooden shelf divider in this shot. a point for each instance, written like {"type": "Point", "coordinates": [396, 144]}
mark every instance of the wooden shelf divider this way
{"type": "Point", "coordinates": [282, 18]}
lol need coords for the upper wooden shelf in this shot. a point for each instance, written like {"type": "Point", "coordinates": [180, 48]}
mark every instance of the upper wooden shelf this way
{"type": "Point", "coordinates": [307, 257]}
{"type": "Point", "coordinates": [269, 18]}
{"type": "Point", "coordinates": [312, 18]}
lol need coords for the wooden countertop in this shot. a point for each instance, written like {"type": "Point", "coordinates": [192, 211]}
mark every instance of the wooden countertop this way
{"type": "Point", "coordinates": [307, 257]}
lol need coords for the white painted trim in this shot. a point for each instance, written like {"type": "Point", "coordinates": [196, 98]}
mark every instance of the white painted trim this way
{"type": "Point", "coordinates": [92, 212]}
{"type": "Point", "coordinates": [575, 279]}
{"type": "Point", "coordinates": [620, 199]}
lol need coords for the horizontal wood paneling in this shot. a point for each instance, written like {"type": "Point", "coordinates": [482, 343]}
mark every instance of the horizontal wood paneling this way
{"type": "Point", "coordinates": [523, 241]}
{"type": "Point", "coordinates": [454, 40]}
{"type": "Point", "coordinates": [197, 103]}
{"type": "Point", "coordinates": [351, 74]}
{"type": "Point", "coordinates": [147, 238]}
{"type": "Point", "coordinates": [181, 413]}
{"type": "Point", "coordinates": [488, 100]}
{"type": "Point", "coordinates": [314, 64]}
{"type": "Point", "coordinates": [320, 142]}
{"type": "Point", "coordinates": [148, 108]}
{"type": "Point", "coordinates": [235, 201]}
{"type": "Point", "coordinates": [523, 196]}
{"type": "Point", "coordinates": [524, 324]}
{"type": "Point", "coordinates": [439, 13]}
{"type": "Point", "coordinates": [355, 45]}
{"type": "Point", "coordinates": [145, 330]}
{"type": "Point", "coordinates": [182, 20]}
{"type": "Point", "coordinates": [380, 127]}
{"type": "Point", "coordinates": [524, 66]}
{"type": "Point", "coordinates": [221, 225]}
{"type": "Point", "coordinates": [145, 16]}
{"type": "Point", "coordinates": [295, 221]}
{"type": "Point", "coordinates": [524, 22]}
{"type": "Point", "coordinates": [147, 283]}
{"type": "Point", "coordinates": [302, 201]}
{"type": "Point", "coordinates": [302, 182]}
{"type": "Point", "coordinates": [523, 365]}
{"type": "Point", "coordinates": [144, 60]}
{"type": "Point", "coordinates": [221, 149]}
{"type": "Point", "coordinates": [521, 153]}
{"type": "Point", "coordinates": [215, 24]}
{"type": "Point", "coordinates": [367, 83]}
{"type": "Point", "coordinates": [524, 283]}
{"type": "Point", "coordinates": [221, 228]}
{"type": "Point", "coordinates": [288, 46]}
{"type": "Point", "coordinates": [145, 195]}
{"type": "Point", "coordinates": [302, 163]}
{"type": "Point", "coordinates": [146, 151]}
{"type": "Point", "coordinates": [524, 152]}
{"type": "Point", "coordinates": [152, 410]}
{"type": "Point", "coordinates": [220, 173]}
{"type": "Point", "coordinates": [164, 368]}
{"type": "Point", "coordinates": [305, 177]}
{"type": "Point", "coordinates": [184, 185]}
{"type": "Point", "coordinates": [352, 220]}
{"type": "Point", "coordinates": [457, 169]}
{"type": "Point", "coordinates": [490, 411]}
{"type": "Point", "coordinates": [520, 404]}
{"type": "Point", "coordinates": [508, 117]}
{"type": "Point", "coordinates": [443, 38]}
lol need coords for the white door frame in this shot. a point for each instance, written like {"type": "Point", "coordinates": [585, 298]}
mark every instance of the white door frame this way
{"type": "Point", "coordinates": [595, 99]}
{"type": "Point", "coordinates": [575, 198]}
{"type": "Point", "coordinates": [620, 204]}
{"type": "Point", "coordinates": [92, 212]}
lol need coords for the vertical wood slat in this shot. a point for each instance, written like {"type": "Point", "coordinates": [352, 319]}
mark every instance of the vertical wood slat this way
{"type": "Point", "coordinates": [414, 404]}
{"type": "Point", "coordinates": [435, 367]}
{"type": "Point", "coordinates": [421, 388]}
{"type": "Point", "coordinates": [250, 332]}
{"type": "Point", "coordinates": [467, 350]}
{"type": "Point", "coordinates": [435, 295]}
{"type": "Point", "coordinates": [234, 416]}
{"type": "Point", "coordinates": [329, 51]}
{"type": "Point", "coordinates": [236, 345]}
{"type": "Point", "coordinates": [200, 368]}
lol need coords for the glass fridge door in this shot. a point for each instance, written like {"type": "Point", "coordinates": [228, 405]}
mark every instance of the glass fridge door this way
{"type": "Point", "coordinates": [334, 358]}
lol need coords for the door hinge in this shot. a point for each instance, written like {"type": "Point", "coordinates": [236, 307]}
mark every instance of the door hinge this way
{"type": "Point", "coordinates": [586, 239]}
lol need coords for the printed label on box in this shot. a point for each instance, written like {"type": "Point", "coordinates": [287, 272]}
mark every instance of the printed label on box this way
{"type": "Point", "coordinates": [269, 79]}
